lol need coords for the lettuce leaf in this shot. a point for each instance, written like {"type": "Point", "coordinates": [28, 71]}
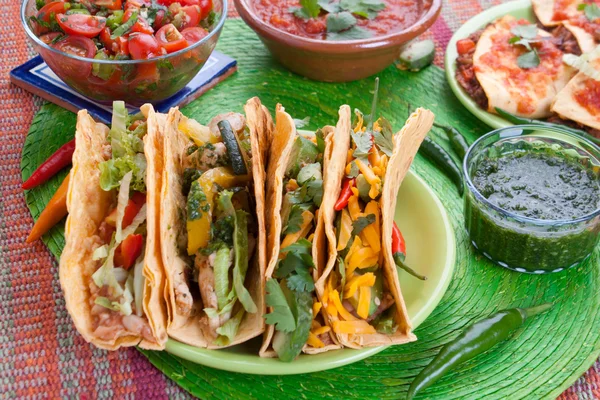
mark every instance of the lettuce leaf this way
{"type": "Point", "coordinates": [112, 172]}
{"type": "Point", "coordinates": [229, 329]}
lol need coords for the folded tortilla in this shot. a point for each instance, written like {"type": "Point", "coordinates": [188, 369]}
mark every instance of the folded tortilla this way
{"type": "Point", "coordinates": [88, 205]}
{"type": "Point", "coordinates": [405, 145]}
{"type": "Point", "coordinates": [280, 156]}
{"type": "Point", "coordinates": [525, 92]}
{"type": "Point", "coordinates": [579, 101]}
{"type": "Point", "coordinates": [187, 320]}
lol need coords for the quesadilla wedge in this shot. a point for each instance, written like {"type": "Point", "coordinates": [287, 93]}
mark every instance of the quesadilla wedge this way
{"type": "Point", "coordinates": [110, 270]}
{"type": "Point", "coordinates": [517, 77]}
{"type": "Point", "coordinates": [299, 168]}
{"type": "Point", "coordinates": [213, 228]}
{"type": "Point", "coordinates": [359, 287]}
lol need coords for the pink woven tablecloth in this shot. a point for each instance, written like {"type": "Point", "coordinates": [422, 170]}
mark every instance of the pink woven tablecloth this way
{"type": "Point", "coordinates": [41, 354]}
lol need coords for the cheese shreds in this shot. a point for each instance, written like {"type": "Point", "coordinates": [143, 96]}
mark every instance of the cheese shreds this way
{"type": "Point", "coordinates": [314, 341]}
{"type": "Point", "coordinates": [321, 330]}
{"type": "Point", "coordinates": [353, 284]}
{"type": "Point", "coordinates": [345, 230]}
{"type": "Point", "coordinates": [364, 300]}
{"type": "Point", "coordinates": [367, 172]}
{"type": "Point", "coordinates": [334, 297]}
{"type": "Point", "coordinates": [292, 238]}
{"type": "Point", "coordinates": [316, 308]}
{"type": "Point", "coordinates": [370, 233]}
{"type": "Point", "coordinates": [354, 207]}
{"type": "Point", "coordinates": [362, 258]}
{"type": "Point", "coordinates": [355, 246]}
{"type": "Point", "coordinates": [358, 327]}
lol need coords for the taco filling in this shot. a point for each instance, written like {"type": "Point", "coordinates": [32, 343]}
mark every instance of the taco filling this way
{"type": "Point", "coordinates": [357, 296]}
{"type": "Point", "coordinates": [291, 292]}
{"type": "Point", "coordinates": [117, 286]}
{"type": "Point", "coordinates": [220, 236]}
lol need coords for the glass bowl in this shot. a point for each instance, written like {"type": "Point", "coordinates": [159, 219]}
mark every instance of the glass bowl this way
{"type": "Point", "coordinates": [522, 243]}
{"type": "Point", "coordinates": [134, 81]}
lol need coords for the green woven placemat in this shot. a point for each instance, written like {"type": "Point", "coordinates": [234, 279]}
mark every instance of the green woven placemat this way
{"type": "Point", "coordinates": [543, 358]}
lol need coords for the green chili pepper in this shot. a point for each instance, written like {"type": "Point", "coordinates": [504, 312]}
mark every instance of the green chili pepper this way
{"type": "Point", "coordinates": [528, 121]}
{"type": "Point", "coordinates": [126, 27]}
{"type": "Point", "coordinates": [457, 140]}
{"type": "Point", "coordinates": [440, 156]}
{"type": "Point", "coordinates": [476, 339]}
{"type": "Point", "coordinates": [401, 265]}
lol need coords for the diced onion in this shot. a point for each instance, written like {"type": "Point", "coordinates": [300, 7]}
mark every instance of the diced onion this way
{"type": "Point", "coordinates": [100, 253]}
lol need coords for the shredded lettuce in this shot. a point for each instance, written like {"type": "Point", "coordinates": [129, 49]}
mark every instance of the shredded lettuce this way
{"type": "Point", "coordinates": [120, 274]}
{"type": "Point", "coordinates": [138, 286]}
{"type": "Point", "coordinates": [240, 248]}
{"type": "Point", "coordinates": [100, 253]}
{"type": "Point", "coordinates": [122, 201]}
{"type": "Point", "coordinates": [106, 303]}
{"type": "Point", "coordinates": [221, 272]}
{"type": "Point", "coordinates": [112, 172]}
{"type": "Point", "coordinates": [213, 312]}
{"type": "Point", "coordinates": [105, 276]}
{"type": "Point", "coordinates": [229, 329]}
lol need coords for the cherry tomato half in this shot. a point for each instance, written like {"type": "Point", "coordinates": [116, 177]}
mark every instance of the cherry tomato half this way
{"type": "Point", "coordinates": [170, 39]}
{"type": "Point", "coordinates": [49, 37]}
{"type": "Point", "coordinates": [141, 25]}
{"type": "Point", "coordinates": [143, 46]}
{"type": "Point", "coordinates": [110, 4]}
{"type": "Point", "coordinates": [204, 5]}
{"type": "Point", "coordinates": [192, 16]}
{"type": "Point", "coordinates": [193, 35]}
{"type": "Point", "coordinates": [81, 24]}
{"type": "Point", "coordinates": [79, 46]}
{"type": "Point", "coordinates": [47, 13]}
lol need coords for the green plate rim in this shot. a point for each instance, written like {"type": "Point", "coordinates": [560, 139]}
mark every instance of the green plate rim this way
{"type": "Point", "coordinates": [477, 22]}
{"type": "Point", "coordinates": [272, 366]}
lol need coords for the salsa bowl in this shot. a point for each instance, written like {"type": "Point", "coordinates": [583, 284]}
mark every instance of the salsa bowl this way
{"type": "Point", "coordinates": [334, 61]}
{"type": "Point", "coordinates": [515, 239]}
{"type": "Point", "coordinates": [134, 81]}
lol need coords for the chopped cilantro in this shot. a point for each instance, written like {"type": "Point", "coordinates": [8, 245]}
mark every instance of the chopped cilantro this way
{"type": "Point", "coordinates": [295, 219]}
{"type": "Point", "coordinates": [361, 223]}
{"type": "Point", "coordinates": [281, 316]}
{"type": "Point", "coordinates": [340, 21]}
{"type": "Point", "coordinates": [384, 138]}
{"type": "Point", "coordinates": [196, 201]}
{"type": "Point", "coordinates": [354, 171]}
{"type": "Point", "coordinates": [363, 143]}
{"type": "Point", "coordinates": [320, 140]}
{"type": "Point", "coordinates": [301, 123]}
{"type": "Point", "coordinates": [525, 31]}
{"type": "Point", "coordinates": [302, 281]}
{"type": "Point", "coordinates": [591, 11]}
{"type": "Point", "coordinates": [524, 36]}
{"type": "Point", "coordinates": [528, 60]}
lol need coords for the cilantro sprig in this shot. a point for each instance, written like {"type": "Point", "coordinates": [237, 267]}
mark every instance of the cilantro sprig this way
{"type": "Point", "coordinates": [525, 35]}
{"type": "Point", "coordinates": [591, 11]}
{"type": "Point", "coordinates": [341, 17]}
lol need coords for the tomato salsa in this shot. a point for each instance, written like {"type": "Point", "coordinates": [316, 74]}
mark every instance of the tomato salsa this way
{"type": "Point", "coordinates": [341, 19]}
{"type": "Point", "coordinates": [122, 29]}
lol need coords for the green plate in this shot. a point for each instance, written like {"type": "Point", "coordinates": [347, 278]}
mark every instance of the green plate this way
{"type": "Point", "coordinates": [540, 360]}
{"type": "Point", "coordinates": [518, 9]}
{"type": "Point", "coordinates": [421, 216]}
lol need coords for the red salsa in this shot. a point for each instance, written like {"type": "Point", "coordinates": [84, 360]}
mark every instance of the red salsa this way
{"type": "Point", "coordinates": [588, 96]}
{"type": "Point", "coordinates": [121, 29]}
{"type": "Point", "coordinates": [384, 17]}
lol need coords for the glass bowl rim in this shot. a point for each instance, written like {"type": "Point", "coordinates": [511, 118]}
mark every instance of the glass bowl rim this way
{"type": "Point", "coordinates": [518, 217]}
{"type": "Point", "coordinates": [202, 41]}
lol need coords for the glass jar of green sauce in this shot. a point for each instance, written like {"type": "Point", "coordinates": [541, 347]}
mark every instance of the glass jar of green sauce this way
{"type": "Point", "coordinates": [533, 199]}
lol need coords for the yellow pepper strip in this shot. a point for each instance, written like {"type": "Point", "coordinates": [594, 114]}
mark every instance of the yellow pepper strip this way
{"type": "Point", "coordinates": [321, 330]}
{"type": "Point", "coordinates": [310, 237]}
{"type": "Point", "coordinates": [359, 327]}
{"type": "Point", "coordinates": [364, 300]}
{"type": "Point", "coordinates": [331, 310]}
{"type": "Point", "coordinates": [357, 244]}
{"type": "Point", "coordinates": [362, 258]}
{"type": "Point", "coordinates": [199, 229]}
{"type": "Point", "coordinates": [370, 234]}
{"type": "Point", "coordinates": [345, 230]}
{"type": "Point", "coordinates": [316, 308]}
{"type": "Point", "coordinates": [314, 341]}
{"type": "Point", "coordinates": [334, 297]}
{"type": "Point", "coordinates": [292, 238]}
{"type": "Point", "coordinates": [353, 284]}
{"type": "Point", "coordinates": [291, 185]}
{"type": "Point", "coordinates": [354, 207]}
{"type": "Point", "coordinates": [199, 133]}
{"type": "Point", "coordinates": [349, 157]}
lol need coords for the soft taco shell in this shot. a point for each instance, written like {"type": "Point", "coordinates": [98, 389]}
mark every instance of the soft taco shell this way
{"type": "Point", "coordinates": [188, 326]}
{"type": "Point", "coordinates": [567, 105]}
{"type": "Point", "coordinates": [585, 40]}
{"type": "Point", "coordinates": [88, 205]}
{"type": "Point", "coordinates": [406, 144]}
{"type": "Point", "coordinates": [527, 93]}
{"type": "Point", "coordinates": [281, 147]}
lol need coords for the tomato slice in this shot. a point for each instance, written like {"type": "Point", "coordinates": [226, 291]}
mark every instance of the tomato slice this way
{"type": "Point", "coordinates": [160, 19]}
{"type": "Point", "coordinates": [49, 37]}
{"type": "Point", "coordinates": [192, 16]}
{"type": "Point", "coordinates": [133, 207]}
{"type": "Point", "coordinates": [170, 39]}
{"type": "Point", "coordinates": [123, 42]}
{"type": "Point", "coordinates": [193, 35]}
{"type": "Point", "coordinates": [47, 14]}
{"type": "Point", "coordinates": [205, 6]}
{"type": "Point", "coordinates": [81, 24]}
{"type": "Point", "coordinates": [109, 44]}
{"type": "Point", "coordinates": [79, 46]}
{"type": "Point", "coordinates": [141, 25]}
{"type": "Point", "coordinates": [128, 251]}
{"type": "Point", "coordinates": [143, 46]}
{"type": "Point", "coordinates": [110, 4]}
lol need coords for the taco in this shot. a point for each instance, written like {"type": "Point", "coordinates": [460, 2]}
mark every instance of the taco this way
{"type": "Point", "coordinates": [212, 217]}
{"type": "Point", "coordinates": [300, 166]}
{"type": "Point", "coordinates": [110, 270]}
{"type": "Point", "coordinates": [517, 75]}
{"type": "Point", "coordinates": [578, 104]}
{"type": "Point", "coordinates": [359, 287]}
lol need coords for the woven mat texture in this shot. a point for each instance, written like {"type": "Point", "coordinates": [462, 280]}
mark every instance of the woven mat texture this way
{"type": "Point", "coordinates": [41, 354]}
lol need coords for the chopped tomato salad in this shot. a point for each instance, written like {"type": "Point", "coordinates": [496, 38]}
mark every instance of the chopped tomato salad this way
{"type": "Point", "coordinates": [122, 29]}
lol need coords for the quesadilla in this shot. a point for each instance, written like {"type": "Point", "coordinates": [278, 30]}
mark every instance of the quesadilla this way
{"type": "Point", "coordinates": [359, 286]}
{"type": "Point", "coordinates": [110, 269]}
{"type": "Point", "coordinates": [300, 167]}
{"type": "Point", "coordinates": [213, 228]}
{"type": "Point", "coordinates": [519, 72]}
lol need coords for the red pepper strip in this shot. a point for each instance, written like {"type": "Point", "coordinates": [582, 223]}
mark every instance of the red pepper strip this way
{"type": "Point", "coordinates": [57, 161]}
{"type": "Point", "coordinates": [129, 251]}
{"type": "Point", "coordinates": [55, 210]}
{"type": "Point", "coordinates": [345, 194]}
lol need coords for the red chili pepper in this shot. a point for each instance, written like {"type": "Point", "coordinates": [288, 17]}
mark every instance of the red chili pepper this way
{"type": "Point", "coordinates": [57, 161]}
{"type": "Point", "coordinates": [398, 244]}
{"type": "Point", "coordinates": [345, 194]}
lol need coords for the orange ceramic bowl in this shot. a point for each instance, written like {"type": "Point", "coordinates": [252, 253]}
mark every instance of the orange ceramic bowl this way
{"type": "Point", "coordinates": [331, 61]}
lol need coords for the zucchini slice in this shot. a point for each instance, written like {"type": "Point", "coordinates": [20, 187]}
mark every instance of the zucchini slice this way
{"type": "Point", "coordinates": [233, 148]}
